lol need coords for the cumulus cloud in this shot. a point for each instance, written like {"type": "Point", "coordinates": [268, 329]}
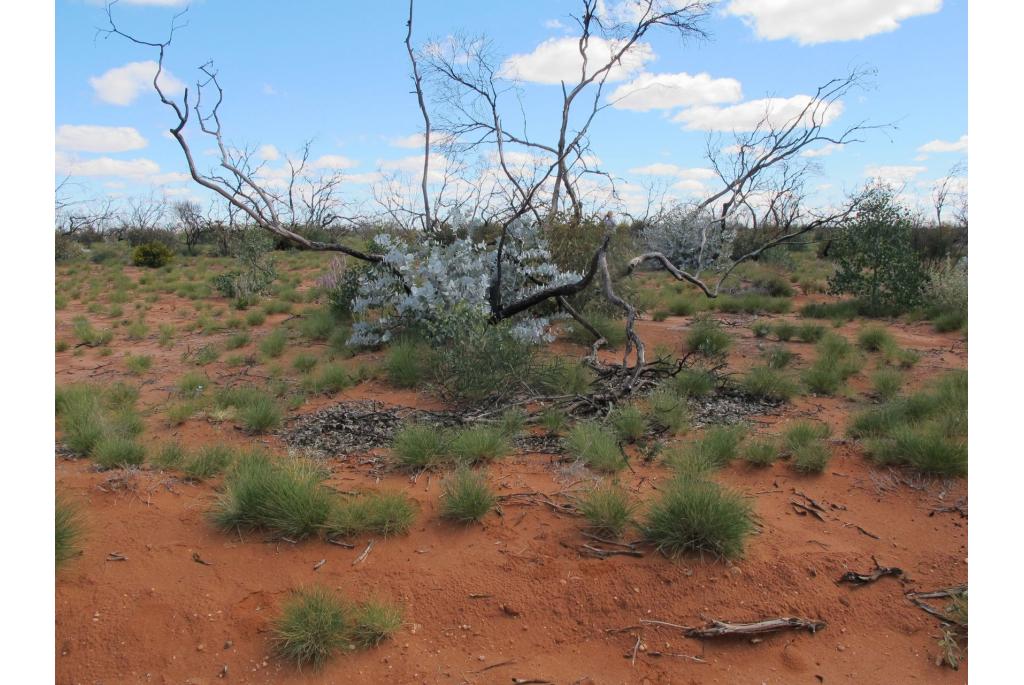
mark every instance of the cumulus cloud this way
{"type": "Point", "coordinates": [746, 115]}
{"type": "Point", "coordinates": [959, 145]}
{"type": "Point", "coordinates": [333, 162]}
{"type": "Point", "coordinates": [122, 85]}
{"type": "Point", "coordinates": [812, 21]}
{"type": "Point", "coordinates": [88, 138]}
{"type": "Point", "coordinates": [268, 153]}
{"type": "Point", "coordinates": [106, 166]}
{"type": "Point", "coordinates": [665, 91]}
{"type": "Point", "coordinates": [553, 24]}
{"type": "Point", "coordinates": [823, 151]}
{"type": "Point", "coordinates": [665, 169]}
{"type": "Point", "coordinates": [558, 59]}
{"type": "Point", "coordinates": [415, 140]}
{"type": "Point", "coordinates": [894, 174]}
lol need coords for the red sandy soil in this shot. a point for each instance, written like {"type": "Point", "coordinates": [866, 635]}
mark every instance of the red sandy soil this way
{"type": "Point", "coordinates": [511, 598]}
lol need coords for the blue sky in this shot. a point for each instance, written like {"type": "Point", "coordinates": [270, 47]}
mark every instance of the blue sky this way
{"type": "Point", "coordinates": [337, 72]}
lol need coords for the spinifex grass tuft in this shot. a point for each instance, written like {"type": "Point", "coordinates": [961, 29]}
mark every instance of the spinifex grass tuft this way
{"type": "Point", "coordinates": [694, 515]}
{"type": "Point", "coordinates": [466, 497]}
{"type": "Point", "coordinates": [607, 508]}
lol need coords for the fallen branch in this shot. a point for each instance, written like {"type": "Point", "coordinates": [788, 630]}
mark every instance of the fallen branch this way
{"type": "Point", "coordinates": [771, 625]}
{"type": "Point", "coordinates": [364, 554]}
{"type": "Point", "coordinates": [602, 553]}
{"type": "Point", "coordinates": [803, 510]}
{"type": "Point", "coordinates": [854, 525]}
{"type": "Point", "coordinates": [855, 578]}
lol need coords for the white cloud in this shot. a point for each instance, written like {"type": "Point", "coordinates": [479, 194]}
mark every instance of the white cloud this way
{"type": "Point", "coordinates": [268, 89]}
{"type": "Point", "coordinates": [88, 138]}
{"type": "Point", "coordinates": [664, 91]}
{"type": "Point", "coordinates": [690, 186]}
{"type": "Point", "coordinates": [813, 21]}
{"type": "Point", "coordinates": [553, 24]}
{"type": "Point", "coordinates": [558, 59]}
{"type": "Point", "coordinates": [414, 141]}
{"type": "Point", "coordinates": [333, 162]}
{"type": "Point", "coordinates": [169, 177]}
{"type": "Point", "coordinates": [664, 169]}
{"type": "Point", "coordinates": [895, 174]}
{"type": "Point", "coordinates": [121, 85]}
{"type": "Point", "coordinates": [268, 153]}
{"type": "Point", "coordinates": [414, 163]}
{"type": "Point", "coordinates": [106, 166]}
{"type": "Point", "coordinates": [746, 115]}
{"type": "Point", "coordinates": [369, 177]}
{"type": "Point", "coordinates": [945, 146]}
{"type": "Point", "coordinates": [823, 151]}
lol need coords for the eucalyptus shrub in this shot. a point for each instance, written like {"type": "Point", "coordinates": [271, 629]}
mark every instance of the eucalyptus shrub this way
{"type": "Point", "coordinates": [256, 270]}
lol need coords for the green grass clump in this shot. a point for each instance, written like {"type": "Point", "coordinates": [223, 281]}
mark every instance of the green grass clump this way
{"type": "Point", "coordinates": [314, 626]}
{"type": "Point", "coordinates": [595, 446]}
{"type": "Point", "coordinates": [380, 513]}
{"type": "Point", "coordinates": [707, 338]}
{"type": "Point", "coordinates": [668, 410]}
{"type": "Point", "coordinates": [87, 334]}
{"type": "Point", "coordinates": [261, 414]}
{"type": "Point", "coordinates": [466, 497]}
{"type": "Point", "coordinates": [784, 330]}
{"type": "Point", "coordinates": [511, 422]}
{"type": "Point", "coordinates": [255, 318]}
{"type": "Point", "coordinates": [887, 383]}
{"type": "Point", "coordinates": [760, 452]}
{"type": "Point", "coordinates": [811, 458]}
{"type": "Point", "coordinates": [760, 329]}
{"type": "Point", "coordinates": [693, 382]}
{"type": "Point", "coordinates": [719, 444]}
{"type": "Point", "coordinates": [836, 311]}
{"type": "Point", "coordinates": [837, 360]}
{"type": "Point", "coordinates": [683, 306]}
{"type": "Point", "coordinates": [778, 357]}
{"type": "Point", "coordinates": [752, 303]}
{"type": "Point", "coordinates": [767, 383]}
{"type": "Point", "coordinates": [375, 622]}
{"type": "Point", "coordinates": [208, 462]}
{"type": "Point", "coordinates": [950, 321]}
{"type": "Point", "coordinates": [316, 324]}
{"type": "Point", "coordinates": [171, 455]}
{"type": "Point", "coordinates": [206, 355]}
{"type": "Point", "coordinates": [333, 378]}
{"type": "Point", "coordinates": [304, 363]}
{"type": "Point", "coordinates": [874, 338]}
{"type": "Point", "coordinates": [553, 420]}
{"type": "Point", "coordinates": [802, 433]}
{"type": "Point", "coordinates": [479, 444]}
{"type": "Point", "coordinates": [629, 422]}
{"type": "Point", "coordinates": [117, 451]}
{"type": "Point", "coordinates": [236, 340]}
{"type": "Point", "coordinates": [67, 529]}
{"type": "Point", "coordinates": [613, 330]}
{"type": "Point", "coordinates": [405, 364]}
{"type": "Point", "coordinates": [284, 496]}
{"type": "Point", "coordinates": [138, 364]}
{"type": "Point", "coordinates": [809, 332]}
{"type": "Point", "coordinates": [419, 446]}
{"type": "Point", "coordinates": [562, 376]}
{"type": "Point", "coordinates": [273, 343]}
{"type": "Point", "coordinates": [608, 509]}
{"type": "Point", "coordinates": [694, 515]}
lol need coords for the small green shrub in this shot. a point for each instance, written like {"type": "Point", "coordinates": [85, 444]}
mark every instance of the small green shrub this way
{"type": "Point", "coordinates": [316, 324]}
{"type": "Point", "coordinates": [379, 513]}
{"type": "Point", "coordinates": [117, 451]}
{"type": "Point", "coordinates": [802, 433]}
{"type": "Point", "coordinates": [260, 415]}
{"type": "Point", "coordinates": [479, 444]}
{"type": "Point", "coordinates": [760, 452]}
{"type": "Point", "coordinates": [874, 338]}
{"type": "Point", "coordinates": [314, 626]}
{"type": "Point", "coordinates": [138, 364]}
{"type": "Point", "coordinates": [208, 462]}
{"type": "Point", "coordinates": [809, 332]}
{"type": "Point", "coordinates": [67, 531]}
{"type": "Point", "coordinates": [466, 497]}
{"type": "Point", "coordinates": [707, 338]}
{"type": "Point", "coordinates": [273, 343]}
{"type": "Point", "coordinates": [784, 330]}
{"type": "Point", "coordinates": [281, 496]}
{"type": "Point", "coordinates": [693, 382]}
{"type": "Point", "coordinates": [255, 318]}
{"type": "Point", "coordinates": [767, 383]}
{"type": "Point", "coordinates": [595, 446]}
{"type": "Point", "coordinates": [333, 378]}
{"type": "Point", "coordinates": [629, 422]}
{"type": "Point", "coordinates": [887, 383]}
{"type": "Point", "coordinates": [562, 376]}
{"type": "Point", "coordinates": [236, 340]}
{"type": "Point", "coordinates": [778, 357]}
{"type": "Point", "coordinates": [719, 444]}
{"type": "Point", "coordinates": [608, 509]}
{"type": "Point", "coordinates": [693, 515]}
{"type": "Point", "coordinates": [511, 422]}
{"type": "Point", "coordinates": [304, 363]}
{"type": "Point", "coordinates": [419, 446]}
{"type": "Point", "coordinates": [405, 364]}
{"type": "Point", "coordinates": [811, 458]}
{"type": "Point", "coordinates": [152, 255]}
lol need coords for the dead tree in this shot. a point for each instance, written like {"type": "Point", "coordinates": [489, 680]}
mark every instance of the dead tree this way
{"type": "Point", "coordinates": [192, 225]}
{"type": "Point", "coordinates": [946, 189]}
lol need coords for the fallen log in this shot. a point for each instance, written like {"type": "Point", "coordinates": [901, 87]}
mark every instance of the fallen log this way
{"type": "Point", "coordinates": [771, 625]}
{"type": "Point", "coordinates": [855, 578]}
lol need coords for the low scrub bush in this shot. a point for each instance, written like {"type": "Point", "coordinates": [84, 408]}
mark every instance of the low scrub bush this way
{"type": "Point", "coordinates": [608, 509]}
{"type": "Point", "coordinates": [152, 255]}
{"type": "Point", "coordinates": [466, 497]}
{"type": "Point", "coordinates": [613, 330]}
{"type": "Point", "coordinates": [474, 360]}
{"type": "Point", "coordinates": [419, 446]}
{"type": "Point", "coordinates": [874, 338]}
{"type": "Point", "coordinates": [809, 332]}
{"type": "Point", "coordinates": [561, 376]}
{"type": "Point", "coordinates": [479, 444]}
{"type": "Point", "coordinates": [378, 513]}
{"type": "Point", "coordinates": [784, 331]}
{"type": "Point", "coordinates": [405, 363]}
{"type": "Point", "coordinates": [273, 343]}
{"type": "Point", "coordinates": [886, 383]}
{"type": "Point", "coordinates": [766, 383]}
{"type": "Point", "coordinates": [595, 446]}
{"type": "Point", "coordinates": [707, 338]}
{"type": "Point", "coordinates": [760, 329]}
{"type": "Point", "coordinates": [693, 515]}
{"type": "Point", "coordinates": [286, 497]}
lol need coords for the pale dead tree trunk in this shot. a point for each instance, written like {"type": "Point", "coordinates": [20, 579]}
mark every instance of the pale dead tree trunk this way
{"type": "Point", "coordinates": [428, 220]}
{"type": "Point", "coordinates": [945, 187]}
{"type": "Point", "coordinates": [242, 190]}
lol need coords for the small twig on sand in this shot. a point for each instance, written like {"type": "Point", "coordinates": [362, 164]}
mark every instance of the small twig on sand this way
{"type": "Point", "coordinates": [724, 629]}
{"type": "Point", "coordinates": [199, 560]}
{"type": "Point", "coordinates": [317, 565]}
{"type": "Point", "coordinates": [854, 525]}
{"type": "Point", "coordinates": [339, 543]}
{"type": "Point", "coordinates": [603, 553]}
{"type": "Point", "coordinates": [696, 659]}
{"type": "Point", "coordinates": [855, 578]}
{"type": "Point", "coordinates": [116, 556]}
{"type": "Point", "coordinates": [364, 554]}
{"type": "Point", "coordinates": [809, 500]}
{"type": "Point", "coordinates": [497, 665]}
{"type": "Point", "coordinates": [636, 648]}
{"type": "Point", "coordinates": [606, 541]}
{"type": "Point", "coordinates": [531, 681]}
